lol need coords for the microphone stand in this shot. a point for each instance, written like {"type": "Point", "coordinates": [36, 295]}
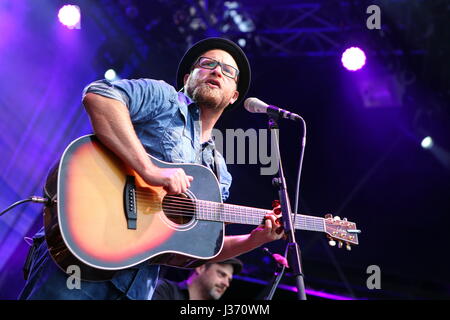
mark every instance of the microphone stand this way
{"type": "Point", "coordinates": [292, 249]}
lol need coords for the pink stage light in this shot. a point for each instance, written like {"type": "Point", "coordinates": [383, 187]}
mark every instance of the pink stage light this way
{"type": "Point", "coordinates": [69, 15]}
{"type": "Point", "coordinates": [353, 59]}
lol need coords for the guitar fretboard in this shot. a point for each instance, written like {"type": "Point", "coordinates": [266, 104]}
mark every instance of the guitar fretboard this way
{"type": "Point", "coordinates": [213, 211]}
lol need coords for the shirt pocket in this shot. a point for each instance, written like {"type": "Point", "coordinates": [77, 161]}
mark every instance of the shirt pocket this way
{"type": "Point", "coordinates": [177, 144]}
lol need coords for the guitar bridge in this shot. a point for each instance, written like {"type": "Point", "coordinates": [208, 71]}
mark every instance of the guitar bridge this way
{"type": "Point", "coordinates": [129, 201]}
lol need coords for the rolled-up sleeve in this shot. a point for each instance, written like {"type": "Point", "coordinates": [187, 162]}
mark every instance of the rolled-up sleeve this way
{"type": "Point", "coordinates": [106, 88]}
{"type": "Point", "coordinates": [144, 98]}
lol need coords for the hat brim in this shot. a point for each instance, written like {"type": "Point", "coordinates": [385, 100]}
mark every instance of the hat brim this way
{"type": "Point", "coordinates": [233, 49]}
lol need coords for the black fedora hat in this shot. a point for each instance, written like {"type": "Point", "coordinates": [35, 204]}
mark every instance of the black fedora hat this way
{"type": "Point", "coordinates": [233, 49]}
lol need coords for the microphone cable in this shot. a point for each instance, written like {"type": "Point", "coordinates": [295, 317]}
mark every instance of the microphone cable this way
{"type": "Point", "coordinates": [299, 173]}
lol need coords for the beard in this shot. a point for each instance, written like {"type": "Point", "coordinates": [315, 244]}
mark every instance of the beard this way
{"type": "Point", "coordinates": [214, 294]}
{"type": "Point", "coordinates": [203, 95]}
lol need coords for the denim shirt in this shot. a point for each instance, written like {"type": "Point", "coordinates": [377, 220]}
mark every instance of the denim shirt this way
{"type": "Point", "coordinates": [168, 125]}
{"type": "Point", "coordinates": [166, 122]}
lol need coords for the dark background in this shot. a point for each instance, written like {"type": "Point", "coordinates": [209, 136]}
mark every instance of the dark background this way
{"type": "Point", "coordinates": [364, 163]}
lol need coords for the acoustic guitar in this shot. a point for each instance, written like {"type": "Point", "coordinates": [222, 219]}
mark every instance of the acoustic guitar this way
{"type": "Point", "coordinates": [105, 218]}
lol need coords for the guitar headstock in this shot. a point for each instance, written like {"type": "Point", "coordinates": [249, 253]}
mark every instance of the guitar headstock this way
{"type": "Point", "coordinates": [341, 230]}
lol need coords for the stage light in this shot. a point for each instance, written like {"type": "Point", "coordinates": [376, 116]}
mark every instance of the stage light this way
{"type": "Point", "coordinates": [111, 75]}
{"type": "Point", "coordinates": [69, 15]}
{"type": "Point", "coordinates": [353, 59]}
{"type": "Point", "coordinates": [427, 142]}
{"type": "Point", "coordinates": [240, 19]}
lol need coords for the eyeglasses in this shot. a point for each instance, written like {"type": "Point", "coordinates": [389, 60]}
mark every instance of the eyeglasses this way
{"type": "Point", "coordinates": [211, 64]}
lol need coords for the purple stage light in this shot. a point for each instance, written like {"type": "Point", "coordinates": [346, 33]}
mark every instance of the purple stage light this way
{"type": "Point", "coordinates": [353, 59]}
{"type": "Point", "coordinates": [69, 15]}
{"type": "Point", "coordinates": [311, 292]}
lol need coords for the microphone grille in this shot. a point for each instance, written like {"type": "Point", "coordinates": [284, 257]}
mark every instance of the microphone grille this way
{"type": "Point", "coordinates": [254, 105]}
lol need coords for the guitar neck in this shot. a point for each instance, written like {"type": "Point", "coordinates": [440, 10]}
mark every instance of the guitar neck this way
{"type": "Point", "coordinates": [230, 213]}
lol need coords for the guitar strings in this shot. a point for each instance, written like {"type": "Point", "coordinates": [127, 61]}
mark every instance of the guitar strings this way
{"type": "Point", "coordinates": [245, 220]}
{"type": "Point", "coordinates": [222, 216]}
{"type": "Point", "coordinates": [190, 208]}
{"type": "Point", "coordinates": [232, 218]}
{"type": "Point", "coordinates": [220, 211]}
{"type": "Point", "coordinates": [187, 203]}
{"type": "Point", "coordinates": [302, 224]}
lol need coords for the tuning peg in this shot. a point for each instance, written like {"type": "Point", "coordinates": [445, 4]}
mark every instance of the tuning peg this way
{"type": "Point", "coordinates": [340, 244]}
{"type": "Point", "coordinates": [332, 242]}
{"type": "Point", "coordinates": [348, 247]}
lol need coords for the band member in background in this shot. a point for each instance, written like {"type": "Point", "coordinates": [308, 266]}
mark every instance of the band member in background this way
{"type": "Point", "coordinates": [207, 282]}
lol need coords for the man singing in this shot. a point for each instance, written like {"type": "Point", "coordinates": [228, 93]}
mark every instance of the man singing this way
{"type": "Point", "coordinates": [134, 118]}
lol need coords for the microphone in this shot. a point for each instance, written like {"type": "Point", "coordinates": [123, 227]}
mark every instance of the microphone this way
{"type": "Point", "coordinates": [255, 105]}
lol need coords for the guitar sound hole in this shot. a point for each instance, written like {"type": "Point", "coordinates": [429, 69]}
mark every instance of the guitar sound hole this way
{"type": "Point", "coordinates": [178, 208]}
